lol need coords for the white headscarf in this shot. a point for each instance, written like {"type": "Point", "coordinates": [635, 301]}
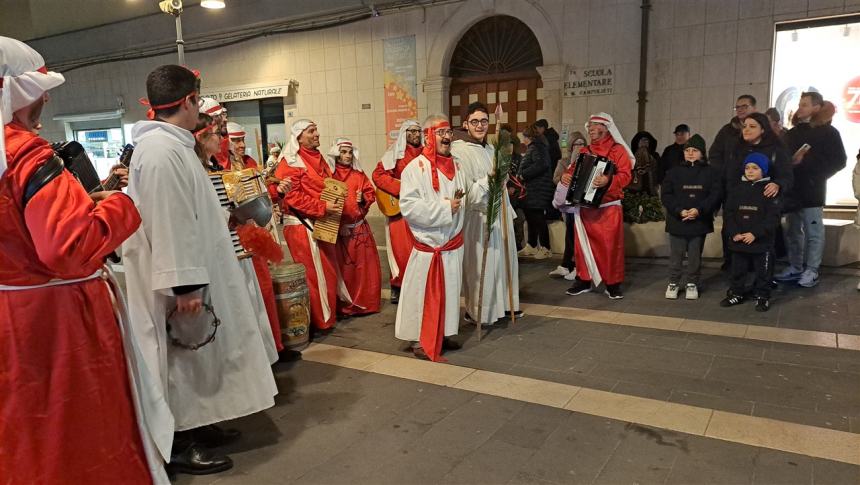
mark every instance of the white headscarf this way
{"type": "Point", "coordinates": [211, 107]}
{"type": "Point", "coordinates": [235, 130]}
{"type": "Point", "coordinates": [606, 120]}
{"type": "Point", "coordinates": [398, 148]}
{"type": "Point", "coordinates": [23, 80]}
{"type": "Point", "coordinates": [291, 150]}
{"type": "Point", "coordinates": [334, 152]}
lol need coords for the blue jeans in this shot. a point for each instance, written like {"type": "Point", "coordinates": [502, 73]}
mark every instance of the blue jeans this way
{"type": "Point", "coordinates": [804, 239]}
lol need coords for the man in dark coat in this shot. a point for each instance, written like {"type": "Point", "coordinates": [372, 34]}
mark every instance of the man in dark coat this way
{"type": "Point", "coordinates": [673, 155]}
{"type": "Point", "coordinates": [729, 135]}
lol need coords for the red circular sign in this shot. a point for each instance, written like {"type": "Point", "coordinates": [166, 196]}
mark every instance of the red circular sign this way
{"type": "Point", "coordinates": [851, 99]}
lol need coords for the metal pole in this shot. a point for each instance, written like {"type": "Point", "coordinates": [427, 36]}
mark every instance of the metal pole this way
{"type": "Point", "coordinates": [643, 66]}
{"type": "Point", "coordinates": [180, 44]}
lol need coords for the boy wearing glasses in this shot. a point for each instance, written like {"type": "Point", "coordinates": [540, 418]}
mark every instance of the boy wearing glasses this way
{"type": "Point", "coordinates": [169, 272]}
{"type": "Point", "coordinates": [475, 156]}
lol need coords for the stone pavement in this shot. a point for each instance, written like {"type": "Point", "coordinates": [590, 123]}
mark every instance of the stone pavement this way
{"type": "Point", "coordinates": [334, 424]}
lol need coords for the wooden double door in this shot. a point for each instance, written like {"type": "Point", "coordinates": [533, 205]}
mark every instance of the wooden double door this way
{"type": "Point", "coordinates": [518, 94]}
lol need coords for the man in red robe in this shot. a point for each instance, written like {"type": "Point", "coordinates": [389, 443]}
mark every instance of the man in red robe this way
{"type": "Point", "coordinates": [238, 160]}
{"type": "Point", "coordinates": [599, 231]}
{"type": "Point", "coordinates": [304, 165]}
{"type": "Point", "coordinates": [67, 408]}
{"type": "Point", "coordinates": [386, 176]}
{"type": "Point", "coordinates": [359, 274]}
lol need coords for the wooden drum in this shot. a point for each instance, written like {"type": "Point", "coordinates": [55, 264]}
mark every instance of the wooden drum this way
{"type": "Point", "coordinates": [294, 305]}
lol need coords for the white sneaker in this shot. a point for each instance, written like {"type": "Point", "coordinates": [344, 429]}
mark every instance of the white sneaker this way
{"type": "Point", "coordinates": [672, 291]}
{"type": "Point", "coordinates": [526, 252]}
{"type": "Point", "coordinates": [789, 274]}
{"type": "Point", "coordinates": [542, 253]}
{"type": "Point", "coordinates": [692, 292]}
{"type": "Point", "coordinates": [572, 276]}
{"type": "Point", "coordinates": [559, 271]}
{"type": "Point", "coordinates": [808, 279]}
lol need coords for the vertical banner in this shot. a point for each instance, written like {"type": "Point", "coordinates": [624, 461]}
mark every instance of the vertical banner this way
{"type": "Point", "coordinates": [401, 84]}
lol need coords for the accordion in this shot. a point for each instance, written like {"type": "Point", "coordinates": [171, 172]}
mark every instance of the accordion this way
{"type": "Point", "coordinates": [79, 164]}
{"type": "Point", "coordinates": [581, 190]}
{"type": "Point", "coordinates": [243, 193]}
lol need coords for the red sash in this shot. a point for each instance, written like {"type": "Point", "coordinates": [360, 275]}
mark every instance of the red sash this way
{"type": "Point", "coordinates": [433, 319]}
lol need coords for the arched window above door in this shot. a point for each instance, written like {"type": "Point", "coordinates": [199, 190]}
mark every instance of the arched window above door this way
{"type": "Point", "coordinates": [496, 45]}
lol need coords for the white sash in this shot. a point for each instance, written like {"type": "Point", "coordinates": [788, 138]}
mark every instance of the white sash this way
{"type": "Point", "coordinates": [587, 253]}
{"type": "Point", "coordinates": [315, 254]}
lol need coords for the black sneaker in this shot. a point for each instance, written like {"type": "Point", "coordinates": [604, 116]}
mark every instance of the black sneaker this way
{"type": "Point", "coordinates": [518, 314]}
{"type": "Point", "coordinates": [614, 291]}
{"type": "Point", "coordinates": [732, 300]}
{"type": "Point", "coordinates": [762, 305]}
{"type": "Point", "coordinates": [579, 287]}
{"type": "Point", "coordinates": [395, 295]}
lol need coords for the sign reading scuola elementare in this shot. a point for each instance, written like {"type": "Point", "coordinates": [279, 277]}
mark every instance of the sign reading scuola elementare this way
{"type": "Point", "coordinates": [589, 81]}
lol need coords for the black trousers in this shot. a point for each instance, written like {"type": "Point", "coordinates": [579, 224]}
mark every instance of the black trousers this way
{"type": "Point", "coordinates": [567, 261]}
{"type": "Point", "coordinates": [762, 264]}
{"type": "Point", "coordinates": [538, 229]}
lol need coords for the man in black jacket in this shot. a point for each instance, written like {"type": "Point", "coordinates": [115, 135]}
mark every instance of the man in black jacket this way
{"type": "Point", "coordinates": [673, 155]}
{"type": "Point", "coordinates": [727, 138]}
{"type": "Point", "coordinates": [818, 155]}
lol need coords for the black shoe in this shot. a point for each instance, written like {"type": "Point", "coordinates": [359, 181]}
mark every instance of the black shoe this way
{"type": "Point", "coordinates": [732, 300]}
{"type": "Point", "coordinates": [395, 295]}
{"type": "Point", "coordinates": [288, 355]}
{"type": "Point", "coordinates": [762, 305]}
{"type": "Point", "coordinates": [448, 344]}
{"type": "Point", "coordinates": [213, 436]}
{"type": "Point", "coordinates": [518, 314]}
{"type": "Point", "coordinates": [194, 459]}
{"type": "Point", "coordinates": [579, 287]}
{"type": "Point", "coordinates": [614, 291]}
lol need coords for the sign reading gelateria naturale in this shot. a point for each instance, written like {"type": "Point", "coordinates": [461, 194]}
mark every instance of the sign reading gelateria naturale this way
{"type": "Point", "coordinates": [228, 95]}
{"type": "Point", "coordinates": [589, 81]}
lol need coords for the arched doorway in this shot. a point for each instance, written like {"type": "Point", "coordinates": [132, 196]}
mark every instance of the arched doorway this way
{"type": "Point", "coordinates": [494, 62]}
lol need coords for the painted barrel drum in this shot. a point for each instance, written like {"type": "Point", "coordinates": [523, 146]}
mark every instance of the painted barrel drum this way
{"type": "Point", "coordinates": [293, 302]}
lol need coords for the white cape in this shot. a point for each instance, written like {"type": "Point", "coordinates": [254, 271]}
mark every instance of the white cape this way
{"type": "Point", "coordinates": [477, 162]}
{"type": "Point", "coordinates": [184, 240]}
{"type": "Point", "coordinates": [429, 217]}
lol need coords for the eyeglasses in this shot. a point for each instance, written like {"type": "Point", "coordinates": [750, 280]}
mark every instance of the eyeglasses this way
{"type": "Point", "coordinates": [413, 131]}
{"type": "Point", "coordinates": [482, 122]}
{"type": "Point", "coordinates": [448, 132]}
{"type": "Point", "coordinates": [579, 143]}
{"type": "Point", "coordinates": [742, 107]}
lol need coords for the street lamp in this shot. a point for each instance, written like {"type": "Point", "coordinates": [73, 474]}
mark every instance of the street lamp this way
{"type": "Point", "coordinates": [174, 7]}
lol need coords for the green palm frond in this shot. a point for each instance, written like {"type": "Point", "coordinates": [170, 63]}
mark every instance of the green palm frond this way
{"type": "Point", "coordinates": [498, 181]}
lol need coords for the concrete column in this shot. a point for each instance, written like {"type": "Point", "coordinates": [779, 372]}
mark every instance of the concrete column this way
{"type": "Point", "coordinates": [553, 77]}
{"type": "Point", "coordinates": [437, 90]}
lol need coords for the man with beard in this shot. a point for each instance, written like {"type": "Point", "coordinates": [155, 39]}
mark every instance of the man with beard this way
{"type": "Point", "coordinates": [219, 117]}
{"type": "Point", "coordinates": [476, 160]}
{"type": "Point", "coordinates": [431, 190]}
{"type": "Point", "coordinates": [304, 165]}
{"type": "Point", "coordinates": [386, 177]}
{"type": "Point", "coordinates": [237, 159]}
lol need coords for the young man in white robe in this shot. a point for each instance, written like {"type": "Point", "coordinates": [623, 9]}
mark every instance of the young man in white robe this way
{"type": "Point", "coordinates": [431, 189]}
{"type": "Point", "coordinates": [180, 260]}
{"type": "Point", "coordinates": [475, 156]}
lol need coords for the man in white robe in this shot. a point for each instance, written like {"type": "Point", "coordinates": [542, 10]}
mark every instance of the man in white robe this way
{"type": "Point", "coordinates": [431, 188]}
{"type": "Point", "coordinates": [182, 258]}
{"type": "Point", "coordinates": [475, 157]}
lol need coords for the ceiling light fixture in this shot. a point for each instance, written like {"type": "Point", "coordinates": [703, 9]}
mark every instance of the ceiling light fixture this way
{"type": "Point", "coordinates": [213, 4]}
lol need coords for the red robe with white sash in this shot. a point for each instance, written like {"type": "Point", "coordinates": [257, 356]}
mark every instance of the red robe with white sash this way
{"type": "Point", "coordinates": [357, 257]}
{"type": "Point", "coordinates": [318, 257]}
{"type": "Point", "coordinates": [604, 226]}
{"type": "Point", "coordinates": [66, 409]}
{"type": "Point", "coordinates": [398, 238]}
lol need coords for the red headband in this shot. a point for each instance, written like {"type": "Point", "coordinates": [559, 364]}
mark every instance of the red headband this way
{"type": "Point", "coordinates": [150, 113]}
{"type": "Point", "coordinates": [207, 127]}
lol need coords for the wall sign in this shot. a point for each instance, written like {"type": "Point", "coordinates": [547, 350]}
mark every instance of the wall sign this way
{"type": "Point", "coordinates": [401, 83]}
{"type": "Point", "coordinates": [589, 81]}
{"type": "Point", "coordinates": [229, 95]}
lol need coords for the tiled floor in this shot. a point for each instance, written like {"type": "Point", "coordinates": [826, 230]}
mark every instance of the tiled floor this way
{"type": "Point", "coordinates": [581, 390]}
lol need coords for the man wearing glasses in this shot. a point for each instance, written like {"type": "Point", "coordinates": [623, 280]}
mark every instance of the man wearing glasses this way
{"type": "Point", "coordinates": [729, 135]}
{"type": "Point", "coordinates": [475, 157]}
{"type": "Point", "coordinates": [431, 191]}
{"type": "Point", "coordinates": [182, 274]}
{"type": "Point", "coordinates": [386, 177]}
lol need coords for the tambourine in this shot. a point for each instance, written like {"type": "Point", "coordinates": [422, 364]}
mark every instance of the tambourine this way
{"type": "Point", "coordinates": [214, 324]}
